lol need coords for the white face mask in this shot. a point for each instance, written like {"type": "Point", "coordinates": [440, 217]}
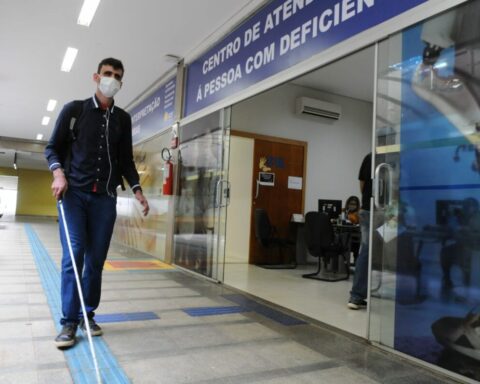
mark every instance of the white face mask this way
{"type": "Point", "coordinates": [109, 86]}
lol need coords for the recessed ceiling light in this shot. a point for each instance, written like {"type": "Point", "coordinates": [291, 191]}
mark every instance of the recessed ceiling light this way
{"type": "Point", "coordinates": [51, 105]}
{"type": "Point", "coordinates": [69, 58]}
{"type": "Point", "coordinates": [87, 12]}
{"type": "Point", "coordinates": [45, 120]}
{"type": "Point", "coordinates": [39, 136]}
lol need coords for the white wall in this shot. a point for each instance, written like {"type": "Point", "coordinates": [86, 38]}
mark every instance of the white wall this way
{"type": "Point", "coordinates": [335, 148]}
{"type": "Point", "coordinates": [240, 175]}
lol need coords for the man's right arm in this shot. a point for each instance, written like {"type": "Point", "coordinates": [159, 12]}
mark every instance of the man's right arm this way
{"type": "Point", "coordinates": [55, 151]}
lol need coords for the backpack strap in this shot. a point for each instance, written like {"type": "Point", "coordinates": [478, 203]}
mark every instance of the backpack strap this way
{"type": "Point", "coordinates": [77, 111]}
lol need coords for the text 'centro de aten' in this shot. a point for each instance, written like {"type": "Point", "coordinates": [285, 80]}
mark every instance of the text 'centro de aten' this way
{"type": "Point", "coordinates": [288, 42]}
{"type": "Point", "coordinates": [330, 17]}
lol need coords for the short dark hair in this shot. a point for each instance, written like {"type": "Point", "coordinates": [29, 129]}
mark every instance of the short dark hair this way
{"type": "Point", "coordinates": [115, 63]}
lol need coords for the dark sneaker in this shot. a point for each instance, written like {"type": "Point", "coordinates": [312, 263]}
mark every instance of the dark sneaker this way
{"type": "Point", "coordinates": [357, 304]}
{"type": "Point", "coordinates": [95, 330]}
{"type": "Point", "coordinates": [66, 337]}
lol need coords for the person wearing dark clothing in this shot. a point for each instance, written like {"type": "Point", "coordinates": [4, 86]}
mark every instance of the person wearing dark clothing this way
{"type": "Point", "coordinates": [89, 152]}
{"type": "Point", "coordinates": [358, 294]}
{"type": "Point", "coordinates": [458, 252]}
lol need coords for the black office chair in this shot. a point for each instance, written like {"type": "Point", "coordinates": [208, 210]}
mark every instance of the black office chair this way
{"type": "Point", "coordinates": [267, 236]}
{"type": "Point", "coordinates": [321, 242]}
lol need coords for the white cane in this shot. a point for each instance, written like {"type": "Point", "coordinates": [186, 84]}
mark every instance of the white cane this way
{"type": "Point", "coordinates": [80, 293]}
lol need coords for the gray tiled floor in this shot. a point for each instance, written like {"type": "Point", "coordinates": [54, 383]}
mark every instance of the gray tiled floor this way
{"type": "Point", "coordinates": [176, 348]}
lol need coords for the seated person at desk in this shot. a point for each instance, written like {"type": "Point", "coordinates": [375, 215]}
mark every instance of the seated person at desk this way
{"type": "Point", "coordinates": [352, 208]}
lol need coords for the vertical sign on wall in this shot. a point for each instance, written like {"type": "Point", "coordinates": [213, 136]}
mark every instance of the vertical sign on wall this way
{"type": "Point", "coordinates": [156, 113]}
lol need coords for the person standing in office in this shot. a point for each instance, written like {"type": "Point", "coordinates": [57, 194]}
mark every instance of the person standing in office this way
{"type": "Point", "coordinates": [358, 294]}
{"type": "Point", "coordinates": [89, 151]}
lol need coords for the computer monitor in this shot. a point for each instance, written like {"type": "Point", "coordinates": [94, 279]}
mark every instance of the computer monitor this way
{"type": "Point", "coordinates": [332, 207]}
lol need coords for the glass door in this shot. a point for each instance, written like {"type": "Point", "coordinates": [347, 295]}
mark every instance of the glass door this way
{"type": "Point", "coordinates": [425, 232]}
{"type": "Point", "coordinates": [203, 194]}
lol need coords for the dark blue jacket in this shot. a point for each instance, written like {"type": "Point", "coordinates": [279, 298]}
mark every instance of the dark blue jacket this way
{"type": "Point", "coordinates": [97, 151]}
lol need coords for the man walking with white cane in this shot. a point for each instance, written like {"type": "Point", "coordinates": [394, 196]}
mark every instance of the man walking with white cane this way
{"type": "Point", "coordinates": [89, 152]}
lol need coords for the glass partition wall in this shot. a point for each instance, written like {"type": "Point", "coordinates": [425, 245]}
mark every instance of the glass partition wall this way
{"type": "Point", "coordinates": [203, 192]}
{"type": "Point", "coordinates": [425, 276]}
{"type": "Point", "coordinates": [146, 233]}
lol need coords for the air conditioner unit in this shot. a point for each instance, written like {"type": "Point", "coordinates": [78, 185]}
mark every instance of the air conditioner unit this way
{"type": "Point", "coordinates": [314, 107]}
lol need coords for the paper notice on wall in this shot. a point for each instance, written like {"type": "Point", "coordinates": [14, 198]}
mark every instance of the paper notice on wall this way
{"type": "Point", "coordinates": [295, 182]}
{"type": "Point", "coordinates": [390, 232]}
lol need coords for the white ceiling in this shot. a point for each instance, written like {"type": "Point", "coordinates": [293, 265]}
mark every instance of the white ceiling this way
{"type": "Point", "coordinates": [35, 34]}
{"type": "Point", "coordinates": [351, 76]}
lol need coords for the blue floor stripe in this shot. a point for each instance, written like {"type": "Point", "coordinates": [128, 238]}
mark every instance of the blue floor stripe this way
{"type": "Point", "coordinates": [212, 311]}
{"type": "Point", "coordinates": [120, 317]}
{"type": "Point", "coordinates": [78, 358]}
{"type": "Point", "coordinates": [261, 309]}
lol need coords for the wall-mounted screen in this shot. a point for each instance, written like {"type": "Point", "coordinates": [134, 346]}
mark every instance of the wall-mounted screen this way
{"type": "Point", "coordinates": [332, 207]}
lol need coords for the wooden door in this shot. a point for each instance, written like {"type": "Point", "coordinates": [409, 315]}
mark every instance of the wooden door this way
{"type": "Point", "coordinates": [286, 162]}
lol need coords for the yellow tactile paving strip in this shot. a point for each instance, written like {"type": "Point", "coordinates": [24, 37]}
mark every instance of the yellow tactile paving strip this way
{"type": "Point", "coordinates": [135, 265]}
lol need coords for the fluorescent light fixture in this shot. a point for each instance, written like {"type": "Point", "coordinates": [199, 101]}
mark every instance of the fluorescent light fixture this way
{"type": "Point", "coordinates": [45, 120]}
{"type": "Point", "coordinates": [69, 58]}
{"type": "Point", "coordinates": [51, 105]}
{"type": "Point", "coordinates": [40, 136]}
{"type": "Point", "coordinates": [87, 12]}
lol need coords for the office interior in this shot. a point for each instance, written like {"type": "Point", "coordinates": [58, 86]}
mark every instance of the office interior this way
{"type": "Point", "coordinates": [334, 152]}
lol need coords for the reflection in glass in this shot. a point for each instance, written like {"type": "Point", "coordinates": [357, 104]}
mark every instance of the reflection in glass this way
{"type": "Point", "coordinates": [146, 234]}
{"type": "Point", "coordinates": [426, 252]}
{"type": "Point", "coordinates": [197, 211]}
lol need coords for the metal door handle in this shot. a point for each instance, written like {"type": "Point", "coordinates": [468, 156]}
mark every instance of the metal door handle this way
{"type": "Point", "coordinates": [376, 180]}
{"type": "Point", "coordinates": [222, 195]}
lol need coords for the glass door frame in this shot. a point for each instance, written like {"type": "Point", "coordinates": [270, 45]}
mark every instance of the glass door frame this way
{"type": "Point", "coordinates": [215, 211]}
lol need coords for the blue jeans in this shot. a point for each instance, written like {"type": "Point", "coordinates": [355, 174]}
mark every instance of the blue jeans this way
{"type": "Point", "coordinates": [90, 219]}
{"type": "Point", "coordinates": [360, 278]}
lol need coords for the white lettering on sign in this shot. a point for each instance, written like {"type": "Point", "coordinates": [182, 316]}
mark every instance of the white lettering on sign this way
{"type": "Point", "coordinates": [251, 34]}
{"type": "Point", "coordinates": [283, 12]}
{"type": "Point", "coordinates": [329, 18]}
{"type": "Point", "coordinates": [149, 108]}
{"type": "Point", "coordinates": [136, 130]}
{"type": "Point", "coordinates": [260, 59]}
{"type": "Point", "coordinates": [220, 82]}
{"type": "Point", "coordinates": [221, 55]}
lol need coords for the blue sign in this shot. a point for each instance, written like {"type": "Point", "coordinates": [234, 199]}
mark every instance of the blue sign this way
{"type": "Point", "coordinates": [155, 113]}
{"type": "Point", "coordinates": [282, 34]}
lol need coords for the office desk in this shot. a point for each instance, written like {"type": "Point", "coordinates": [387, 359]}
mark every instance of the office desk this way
{"type": "Point", "coordinates": [297, 234]}
{"type": "Point", "coordinates": [348, 234]}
